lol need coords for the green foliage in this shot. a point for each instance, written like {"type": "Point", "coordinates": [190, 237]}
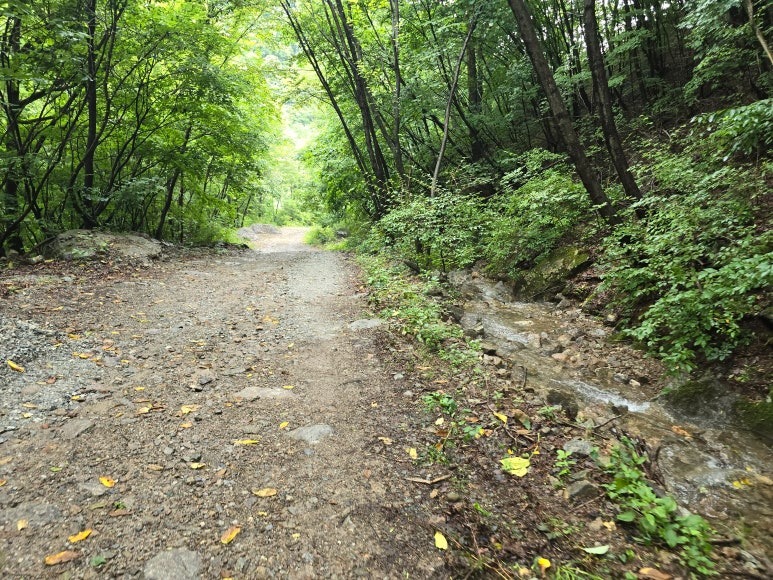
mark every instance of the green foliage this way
{"type": "Point", "coordinates": [440, 402]}
{"type": "Point", "coordinates": [544, 206]}
{"type": "Point", "coordinates": [564, 463]}
{"type": "Point", "coordinates": [742, 130]}
{"type": "Point", "coordinates": [441, 232]}
{"type": "Point", "coordinates": [406, 306]}
{"type": "Point", "coordinates": [688, 272]}
{"type": "Point", "coordinates": [657, 519]}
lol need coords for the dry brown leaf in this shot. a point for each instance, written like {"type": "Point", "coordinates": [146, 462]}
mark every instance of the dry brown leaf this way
{"type": "Point", "coordinates": [79, 536]}
{"type": "Point", "coordinates": [61, 558]}
{"type": "Point", "coordinates": [682, 432]}
{"type": "Point", "coordinates": [230, 534]}
{"type": "Point", "coordinates": [120, 513]}
{"type": "Point", "coordinates": [107, 481]}
{"type": "Point", "coordinates": [265, 492]}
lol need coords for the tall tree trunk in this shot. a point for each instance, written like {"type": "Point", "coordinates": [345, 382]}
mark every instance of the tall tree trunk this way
{"type": "Point", "coordinates": [560, 113]}
{"type": "Point", "coordinates": [87, 199]}
{"type": "Point", "coordinates": [606, 115]}
{"type": "Point", "coordinates": [11, 234]}
{"type": "Point", "coordinates": [475, 99]}
{"type": "Point", "coordinates": [171, 183]}
{"type": "Point", "coordinates": [397, 151]}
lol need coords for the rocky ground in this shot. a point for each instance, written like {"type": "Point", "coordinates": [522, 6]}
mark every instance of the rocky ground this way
{"type": "Point", "coordinates": [230, 413]}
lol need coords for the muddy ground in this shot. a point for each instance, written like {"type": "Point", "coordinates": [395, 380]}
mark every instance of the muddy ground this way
{"type": "Point", "coordinates": [230, 413]}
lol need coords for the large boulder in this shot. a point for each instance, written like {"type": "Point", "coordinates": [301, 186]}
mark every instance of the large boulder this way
{"type": "Point", "coordinates": [91, 244]}
{"type": "Point", "coordinates": [549, 276]}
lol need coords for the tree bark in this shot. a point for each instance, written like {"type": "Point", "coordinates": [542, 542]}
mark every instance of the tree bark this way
{"type": "Point", "coordinates": [447, 120]}
{"type": "Point", "coordinates": [89, 220]}
{"type": "Point", "coordinates": [606, 115]}
{"type": "Point", "coordinates": [560, 112]}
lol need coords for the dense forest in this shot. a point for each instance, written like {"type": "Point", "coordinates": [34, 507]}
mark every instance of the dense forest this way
{"type": "Point", "coordinates": [452, 132]}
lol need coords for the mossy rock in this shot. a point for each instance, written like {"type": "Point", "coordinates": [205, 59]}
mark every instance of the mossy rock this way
{"type": "Point", "coordinates": [549, 275]}
{"type": "Point", "coordinates": [705, 398]}
{"type": "Point", "coordinates": [757, 417]}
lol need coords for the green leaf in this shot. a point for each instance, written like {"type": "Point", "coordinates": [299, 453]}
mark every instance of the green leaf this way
{"type": "Point", "coordinates": [626, 516]}
{"type": "Point", "coordinates": [597, 550]}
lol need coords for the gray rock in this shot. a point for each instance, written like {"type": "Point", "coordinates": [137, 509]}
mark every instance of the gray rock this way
{"type": "Point", "coordinates": [252, 393]}
{"type": "Point", "coordinates": [365, 324]}
{"type": "Point", "coordinates": [35, 513]}
{"type": "Point", "coordinates": [580, 490]}
{"type": "Point", "coordinates": [179, 564]}
{"type": "Point", "coordinates": [311, 433]}
{"type": "Point", "coordinates": [75, 427]}
{"type": "Point", "coordinates": [578, 447]}
{"type": "Point", "coordinates": [94, 488]}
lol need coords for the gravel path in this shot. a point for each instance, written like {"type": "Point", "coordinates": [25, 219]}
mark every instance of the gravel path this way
{"type": "Point", "coordinates": [164, 407]}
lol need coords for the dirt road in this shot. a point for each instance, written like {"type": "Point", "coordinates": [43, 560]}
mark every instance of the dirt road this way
{"type": "Point", "coordinates": [213, 415]}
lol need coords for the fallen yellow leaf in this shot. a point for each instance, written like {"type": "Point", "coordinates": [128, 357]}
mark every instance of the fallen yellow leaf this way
{"type": "Point", "coordinates": [197, 465]}
{"type": "Point", "coordinates": [144, 410]}
{"type": "Point", "coordinates": [265, 492]}
{"type": "Point", "coordinates": [385, 440]}
{"type": "Point", "coordinates": [107, 481]}
{"type": "Point", "coordinates": [29, 405]}
{"type": "Point", "coordinates": [296, 535]}
{"type": "Point", "coordinates": [517, 466]}
{"type": "Point", "coordinates": [3, 482]}
{"type": "Point", "coordinates": [230, 534]}
{"type": "Point", "coordinates": [14, 367]}
{"type": "Point", "coordinates": [26, 415]}
{"type": "Point", "coordinates": [22, 524]}
{"type": "Point", "coordinates": [412, 453]}
{"type": "Point", "coordinates": [284, 424]}
{"type": "Point", "coordinates": [288, 387]}
{"type": "Point", "coordinates": [186, 425]}
{"type": "Point", "coordinates": [501, 417]}
{"type": "Point", "coordinates": [185, 409]}
{"type": "Point", "coordinates": [79, 536]}
{"type": "Point", "coordinates": [61, 558]}
{"type": "Point", "coordinates": [543, 564]}
{"type": "Point", "coordinates": [440, 541]}
{"type": "Point", "coordinates": [246, 441]}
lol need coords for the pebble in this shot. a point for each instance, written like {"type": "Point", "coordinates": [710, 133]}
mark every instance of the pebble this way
{"type": "Point", "coordinates": [311, 434]}
{"type": "Point", "coordinates": [578, 447]}
{"type": "Point", "coordinates": [173, 565]}
{"type": "Point", "coordinates": [579, 490]}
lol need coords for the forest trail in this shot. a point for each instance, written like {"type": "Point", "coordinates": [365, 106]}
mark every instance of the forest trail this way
{"type": "Point", "coordinates": [162, 407]}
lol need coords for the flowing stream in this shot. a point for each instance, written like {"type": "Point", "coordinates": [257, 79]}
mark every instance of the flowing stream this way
{"type": "Point", "coordinates": [708, 463]}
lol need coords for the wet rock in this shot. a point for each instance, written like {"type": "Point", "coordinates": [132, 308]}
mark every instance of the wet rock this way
{"type": "Point", "coordinates": [311, 434]}
{"type": "Point", "coordinates": [580, 490]}
{"type": "Point", "coordinates": [365, 324]}
{"type": "Point", "coordinates": [578, 447]}
{"type": "Point", "coordinates": [550, 274]}
{"type": "Point", "coordinates": [75, 427]}
{"type": "Point", "coordinates": [179, 564]}
{"type": "Point", "coordinates": [566, 401]}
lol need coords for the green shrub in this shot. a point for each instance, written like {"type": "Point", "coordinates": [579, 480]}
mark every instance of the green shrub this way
{"type": "Point", "coordinates": [544, 206]}
{"type": "Point", "coordinates": [688, 272]}
{"type": "Point", "coordinates": [441, 232]}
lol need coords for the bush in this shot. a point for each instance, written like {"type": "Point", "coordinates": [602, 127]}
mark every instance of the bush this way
{"type": "Point", "coordinates": [545, 206]}
{"type": "Point", "coordinates": [442, 232]}
{"type": "Point", "coordinates": [687, 273]}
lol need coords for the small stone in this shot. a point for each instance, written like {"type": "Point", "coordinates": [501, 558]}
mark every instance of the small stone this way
{"type": "Point", "coordinates": [634, 383]}
{"type": "Point", "coordinates": [365, 324]}
{"type": "Point", "coordinates": [253, 393]}
{"type": "Point", "coordinates": [398, 376]}
{"type": "Point", "coordinates": [311, 434]}
{"type": "Point", "coordinates": [408, 394]}
{"type": "Point", "coordinates": [580, 490]}
{"type": "Point", "coordinates": [453, 496]}
{"type": "Point", "coordinates": [578, 447]}
{"type": "Point", "coordinates": [75, 427]}
{"type": "Point", "coordinates": [173, 565]}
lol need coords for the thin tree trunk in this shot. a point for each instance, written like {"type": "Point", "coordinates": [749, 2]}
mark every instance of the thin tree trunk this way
{"type": "Point", "coordinates": [756, 29]}
{"type": "Point", "coordinates": [601, 84]}
{"type": "Point", "coordinates": [561, 114]}
{"type": "Point", "coordinates": [89, 220]}
{"type": "Point", "coordinates": [447, 119]}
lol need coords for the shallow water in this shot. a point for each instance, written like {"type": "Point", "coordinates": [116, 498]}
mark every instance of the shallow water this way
{"type": "Point", "coordinates": [710, 465]}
